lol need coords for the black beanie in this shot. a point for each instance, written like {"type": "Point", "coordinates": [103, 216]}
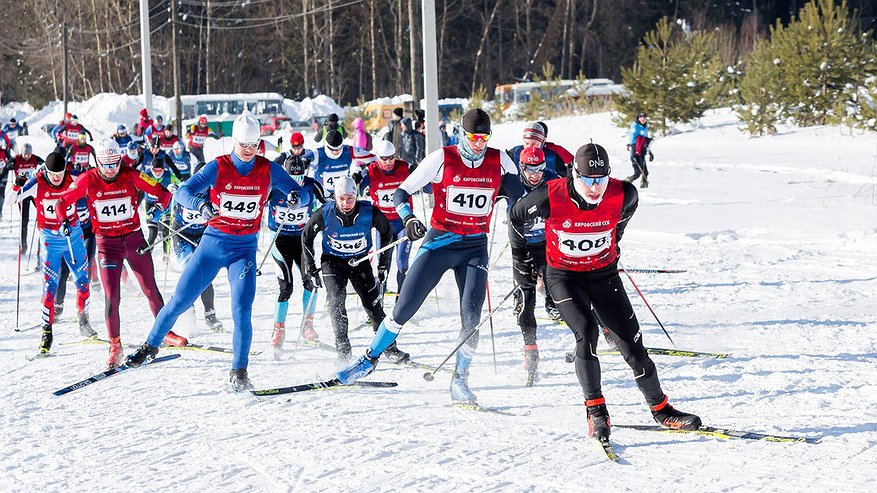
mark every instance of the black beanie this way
{"type": "Point", "coordinates": [592, 160]}
{"type": "Point", "coordinates": [55, 162]}
{"type": "Point", "coordinates": [397, 112]}
{"type": "Point", "coordinates": [333, 118]}
{"type": "Point", "coordinates": [334, 138]}
{"type": "Point", "coordinates": [476, 121]}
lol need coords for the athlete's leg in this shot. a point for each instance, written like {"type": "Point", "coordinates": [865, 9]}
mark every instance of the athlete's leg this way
{"type": "Point", "coordinates": [282, 254]}
{"type": "Point", "coordinates": [335, 276]}
{"type": "Point", "coordinates": [51, 259]}
{"type": "Point", "coordinates": [110, 254]}
{"type": "Point", "coordinates": [78, 263]}
{"type": "Point", "coordinates": [143, 269]}
{"type": "Point", "coordinates": [471, 277]}
{"type": "Point", "coordinates": [242, 279]}
{"type": "Point", "coordinates": [403, 252]}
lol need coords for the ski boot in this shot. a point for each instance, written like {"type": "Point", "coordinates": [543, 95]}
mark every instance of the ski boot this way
{"type": "Point", "coordinates": [59, 309]}
{"type": "Point", "coordinates": [279, 335]}
{"type": "Point", "coordinates": [359, 369]}
{"type": "Point", "coordinates": [239, 380]}
{"type": "Point", "coordinates": [396, 355]}
{"type": "Point", "coordinates": [117, 355]}
{"type": "Point", "coordinates": [143, 354]}
{"type": "Point", "coordinates": [553, 313]}
{"type": "Point", "coordinates": [309, 334]}
{"type": "Point", "coordinates": [460, 392]}
{"type": "Point", "coordinates": [173, 339]}
{"type": "Point", "coordinates": [644, 183]}
{"type": "Point", "coordinates": [46, 340]}
{"type": "Point", "coordinates": [213, 323]}
{"type": "Point", "coordinates": [668, 416]}
{"type": "Point", "coordinates": [598, 418]}
{"type": "Point", "coordinates": [531, 363]}
{"type": "Point", "coordinates": [85, 327]}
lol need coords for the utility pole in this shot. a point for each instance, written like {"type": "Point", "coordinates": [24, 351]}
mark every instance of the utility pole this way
{"type": "Point", "coordinates": [66, 79]}
{"type": "Point", "coordinates": [146, 54]}
{"type": "Point", "coordinates": [207, 51]}
{"type": "Point", "coordinates": [177, 103]}
{"type": "Point", "coordinates": [430, 77]}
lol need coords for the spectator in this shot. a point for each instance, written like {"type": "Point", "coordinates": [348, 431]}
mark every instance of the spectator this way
{"type": "Point", "coordinates": [361, 138]}
{"type": "Point", "coordinates": [394, 131]}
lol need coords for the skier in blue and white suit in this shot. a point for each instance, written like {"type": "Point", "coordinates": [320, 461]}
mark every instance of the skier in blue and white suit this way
{"type": "Point", "coordinates": [335, 160]}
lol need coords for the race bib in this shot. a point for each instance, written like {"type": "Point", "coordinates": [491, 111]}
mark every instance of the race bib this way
{"type": "Point", "coordinates": [329, 179]}
{"type": "Point", "coordinates": [199, 140]}
{"type": "Point", "coordinates": [294, 217]}
{"type": "Point", "coordinates": [191, 217]}
{"type": "Point", "coordinates": [469, 201]}
{"type": "Point", "coordinates": [348, 246]}
{"type": "Point", "coordinates": [81, 158]}
{"type": "Point", "coordinates": [50, 209]}
{"type": "Point", "coordinates": [239, 206]}
{"type": "Point", "coordinates": [113, 210]}
{"type": "Point", "coordinates": [385, 199]}
{"type": "Point", "coordinates": [183, 166]}
{"type": "Point", "coordinates": [584, 245]}
{"type": "Point", "coordinates": [72, 134]}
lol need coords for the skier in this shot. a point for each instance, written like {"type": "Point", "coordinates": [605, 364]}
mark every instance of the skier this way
{"type": "Point", "coordinates": [638, 146]}
{"type": "Point", "coordinates": [297, 148]}
{"type": "Point", "coordinates": [535, 175]}
{"type": "Point", "coordinates": [121, 136]}
{"type": "Point", "coordinates": [167, 139]}
{"type": "Point", "coordinates": [191, 226]}
{"type": "Point", "coordinates": [346, 225]}
{"type": "Point", "coordinates": [78, 153]}
{"type": "Point", "coordinates": [154, 153]}
{"type": "Point", "coordinates": [534, 136]}
{"type": "Point", "coordinates": [331, 124]}
{"type": "Point", "coordinates": [466, 182]}
{"type": "Point", "coordinates": [71, 132]}
{"type": "Point", "coordinates": [287, 250]}
{"type": "Point", "coordinates": [197, 137]}
{"type": "Point", "coordinates": [585, 216]}
{"type": "Point", "coordinates": [88, 237]}
{"type": "Point", "coordinates": [239, 186]}
{"type": "Point", "coordinates": [334, 160]}
{"type": "Point", "coordinates": [182, 160]}
{"type": "Point", "coordinates": [11, 131]}
{"type": "Point", "coordinates": [131, 157]}
{"type": "Point", "coordinates": [566, 158]}
{"type": "Point", "coordinates": [57, 132]}
{"type": "Point", "coordinates": [5, 168]}
{"type": "Point", "coordinates": [158, 216]}
{"type": "Point", "coordinates": [23, 167]}
{"type": "Point", "coordinates": [111, 190]}
{"type": "Point", "coordinates": [62, 242]}
{"type": "Point", "coordinates": [382, 177]}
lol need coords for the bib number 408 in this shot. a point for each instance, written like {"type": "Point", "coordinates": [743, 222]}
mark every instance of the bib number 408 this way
{"type": "Point", "coordinates": [582, 245]}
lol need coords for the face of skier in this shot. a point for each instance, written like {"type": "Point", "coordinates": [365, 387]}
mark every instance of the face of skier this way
{"type": "Point", "coordinates": [81, 140]}
{"type": "Point", "coordinates": [298, 150]}
{"type": "Point", "coordinates": [642, 119]}
{"type": "Point", "coordinates": [168, 133]}
{"type": "Point", "coordinates": [591, 187]}
{"type": "Point", "coordinates": [157, 173]}
{"type": "Point", "coordinates": [247, 152]}
{"type": "Point", "coordinates": [533, 174]}
{"type": "Point", "coordinates": [55, 177]}
{"type": "Point", "coordinates": [477, 142]}
{"type": "Point", "coordinates": [528, 142]}
{"type": "Point", "coordinates": [108, 171]}
{"type": "Point", "coordinates": [334, 152]}
{"type": "Point", "coordinates": [386, 163]}
{"type": "Point", "coordinates": [178, 151]}
{"type": "Point", "coordinates": [346, 202]}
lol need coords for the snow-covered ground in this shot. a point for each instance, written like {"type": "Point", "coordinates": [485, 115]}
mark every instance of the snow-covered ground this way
{"type": "Point", "coordinates": [778, 236]}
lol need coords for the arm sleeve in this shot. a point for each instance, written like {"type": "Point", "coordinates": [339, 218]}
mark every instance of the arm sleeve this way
{"type": "Point", "coordinates": [280, 180]}
{"type": "Point", "coordinates": [382, 225]}
{"type": "Point", "coordinates": [75, 192]}
{"type": "Point", "coordinates": [169, 163]}
{"type": "Point", "coordinates": [188, 194]}
{"type": "Point", "coordinates": [314, 225]}
{"type": "Point", "coordinates": [628, 207]}
{"type": "Point", "coordinates": [142, 182]}
{"type": "Point", "coordinates": [524, 212]}
{"type": "Point", "coordinates": [28, 190]}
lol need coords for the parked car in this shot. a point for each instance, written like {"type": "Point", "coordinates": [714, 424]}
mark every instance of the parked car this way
{"type": "Point", "coordinates": [273, 124]}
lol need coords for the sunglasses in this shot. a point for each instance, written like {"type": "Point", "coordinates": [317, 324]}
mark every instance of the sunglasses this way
{"type": "Point", "coordinates": [109, 165]}
{"type": "Point", "coordinates": [589, 182]}
{"type": "Point", "coordinates": [472, 137]}
{"type": "Point", "coordinates": [387, 158]}
{"type": "Point", "coordinates": [334, 149]}
{"type": "Point", "coordinates": [534, 169]}
{"type": "Point", "coordinates": [248, 146]}
{"type": "Point", "coordinates": [297, 146]}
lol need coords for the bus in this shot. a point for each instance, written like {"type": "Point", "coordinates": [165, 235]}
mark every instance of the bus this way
{"type": "Point", "coordinates": [222, 109]}
{"type": "Point", "coordinates": [520, 92]}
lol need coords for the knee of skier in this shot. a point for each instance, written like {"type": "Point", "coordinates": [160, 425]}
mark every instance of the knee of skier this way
{"type": "Point", "coordinates": [285, 290]}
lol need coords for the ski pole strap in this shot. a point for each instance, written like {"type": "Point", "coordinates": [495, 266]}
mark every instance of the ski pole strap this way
{"type": "Point", "coordinates": [355, 262]}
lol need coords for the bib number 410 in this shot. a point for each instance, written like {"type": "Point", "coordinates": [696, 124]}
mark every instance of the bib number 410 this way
{"type": "Point", "coordinates": [469, 201]}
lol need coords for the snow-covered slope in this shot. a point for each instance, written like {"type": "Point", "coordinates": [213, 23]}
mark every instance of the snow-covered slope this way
{"type": "Point", "coordinates": [778, 236]}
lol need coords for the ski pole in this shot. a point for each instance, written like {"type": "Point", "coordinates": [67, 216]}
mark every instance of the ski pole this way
{"type": "Point", "coordinates": [18, 284]}
{"type": "Point", "coordinates": [487, 289]}
{"type": "Point", "coordinates": [271, 245]}
{"type": "Point", "coordinates": [389, 246]}
{"type": "Point", "coordinates": [654, 271]}
{"type": "Point", "coordinates": [430, 375]}
{"type": "Point", "coordinates": [647, 304]}
{"type": "Point", "coordinates": [171, 234]}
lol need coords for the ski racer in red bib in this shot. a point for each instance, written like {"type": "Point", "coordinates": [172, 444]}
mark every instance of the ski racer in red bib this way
{"type": "Point", "coordinates": [62, 242]}
{"type": "Point", "coordinates": [585, 216]}
{"type": "Point", "coordinates": [79, 153]}
{"type": "Point", "coordinates": [23, 167]}
{"type": "Point", "coordinates": [111, 190]}
{"type": "Point", "coordinates": [466, 180]}
{"type": "Point", "coordinates": [239, 185]}
{"type": "Point", "coordinates": [197, 135]}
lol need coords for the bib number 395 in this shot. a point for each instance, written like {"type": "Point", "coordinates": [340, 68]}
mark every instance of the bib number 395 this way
{"type": "Point", "coordinates": [239, 206]}
{"type": "Point", "coordinates": [469, 201]}
{"type": "Point", "coordinates": [584, 245]}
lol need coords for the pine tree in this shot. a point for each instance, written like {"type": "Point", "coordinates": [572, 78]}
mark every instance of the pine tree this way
{"type": "Point", "coordinates": [674, 77]}
{"type": "Point", "coordinates": [760, 89]}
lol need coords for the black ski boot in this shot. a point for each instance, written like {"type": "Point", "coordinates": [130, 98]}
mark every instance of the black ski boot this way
{"type": "Point", "coordinates": [85, 327]}
{"type": "Point", "coordinates": [59, 309]}
{"type": "Point", "coordinates": [143, 354]}
{"type": "Point", "coordinates": [344, 355]}
{"type": "Point", "coordinates": [598, 418]}
{"type": "Point", "coordinates": [668, 416]}
{"type": "Point", "coordinates": [645, 182]}
{"type": "Point", "coordinates": [213, 323]}
{"type": "Point", "coordinates": [396, 355]}
{"type": "Point", "coordinates": [239, 380]}
{"type": "Point", "coordinates": [46, 340]}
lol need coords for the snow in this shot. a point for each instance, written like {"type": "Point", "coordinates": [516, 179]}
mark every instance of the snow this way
{"type": "Point", "coordinates": [778, 236]}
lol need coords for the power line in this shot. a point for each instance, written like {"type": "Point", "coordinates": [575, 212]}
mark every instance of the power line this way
{"type": "Point", "coordinates": [262, 21]}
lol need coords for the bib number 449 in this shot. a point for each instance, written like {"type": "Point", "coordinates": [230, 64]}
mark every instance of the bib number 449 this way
{"type": "Point", "coordinates": [239, 206]}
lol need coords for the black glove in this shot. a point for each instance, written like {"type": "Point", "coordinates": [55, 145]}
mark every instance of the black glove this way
{"type": "Point", "coordinates": [313, 274]}
{"type": "Point", "coordinates": [357, 178]}
{"type": "Point", "coordinates": [651, 156]}
{"type": "Point", "coordinates": [207, 211]}
{"type": "Point", "coordinates": [64, 229]}
{"type": "Point", "coordinates": [382, 274]}
{"type": "Point", "coordinates": [293, 200]}
{"type": "Point", "coordinates": [414, 229]}
{"type": "Point", "coordinates": [524, 264]}
{"type": "Point", "coordinates": [154, 211]}
{"type": "Point", "coordinates": [20, 180]}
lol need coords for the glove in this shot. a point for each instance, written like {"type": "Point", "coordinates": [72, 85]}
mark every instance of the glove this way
{"type": "Point", "coordinates": [64, 229]}
{"type": "Point", "coordinates": [293, 200]}
{"type": "Point", "coordinates": [628, 147]}
{"type": "Point", "coordinates": [651, 156]}
{"type": "Point", "coordinates": [20, 180]}
{"type": "Point", "coordinates": [172, 188]}
{"type": "Point", "coordinates": [154, 212]}
{"type": "Point", "coordinates": [414, 229]}
{"type": "Point", "coordinates": [313, 274]}
{"type": "Point", "coordinates": [207, 211]}
{"type": "Point", "coordinates": [382, 274]}
{"type": "Point", "coordinates": [523, 263]}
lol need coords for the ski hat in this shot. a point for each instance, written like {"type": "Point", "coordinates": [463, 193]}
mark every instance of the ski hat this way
{"type": "Point", "coordinates": [295, 166]}
{"type": "Point", "coordinates": [246, 130]}
{"type": "Point", "coordinates": [536, 132]}
{"type": "Point", "coordinates": [384, 148]}
{"type": "Point", "coordinates": [344, 185]}
{"type": "Point", "coordinates": [398, 112]}
{"type": "Point", "coordinates": [108, 152]}
{"type": "Point", "coordinates": [121, 129]}
{"type": "Point", "coordinates": [297, 139]}
{"type": "Point", "coordinates": [12, 120]}
{"type": "Point", "coordinates": [177, 145]}
{"type": "Point", "coordinates": [132, 146]}
{"type": "Point", "coordinates": [408, 123]}
{"type": "Point", "coordinates": [74, 119]}
{"type": "Point", "coordinates": [27, 149]}
{"type": "Point", "coordinates": [68, 116]}
{"type": "Point", "coordinates": [333, 118]}
{"type": "Point", "coordinates": [532, 159]}
{"type": "Point", "coordinates": [592, 160]}
{"type": "Point", "coordinates": [476, 121]}
{"type": "Point", "coordinates": [642, 113]}
{"type": "Point", "coordinates": [132, 150]}
{"type": "Point", "coordinates": [157, 164]}
{"type": "Point", "coordinates": [334, 139]}
{"type": "Point", "coordinates": [55, 163]}
{"type": "Point", "coordinates": [544, 128]}
{"type": "Point", "coordinates": [202, 119]}
{"type": "Point", "coordinates": [144, 113]}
